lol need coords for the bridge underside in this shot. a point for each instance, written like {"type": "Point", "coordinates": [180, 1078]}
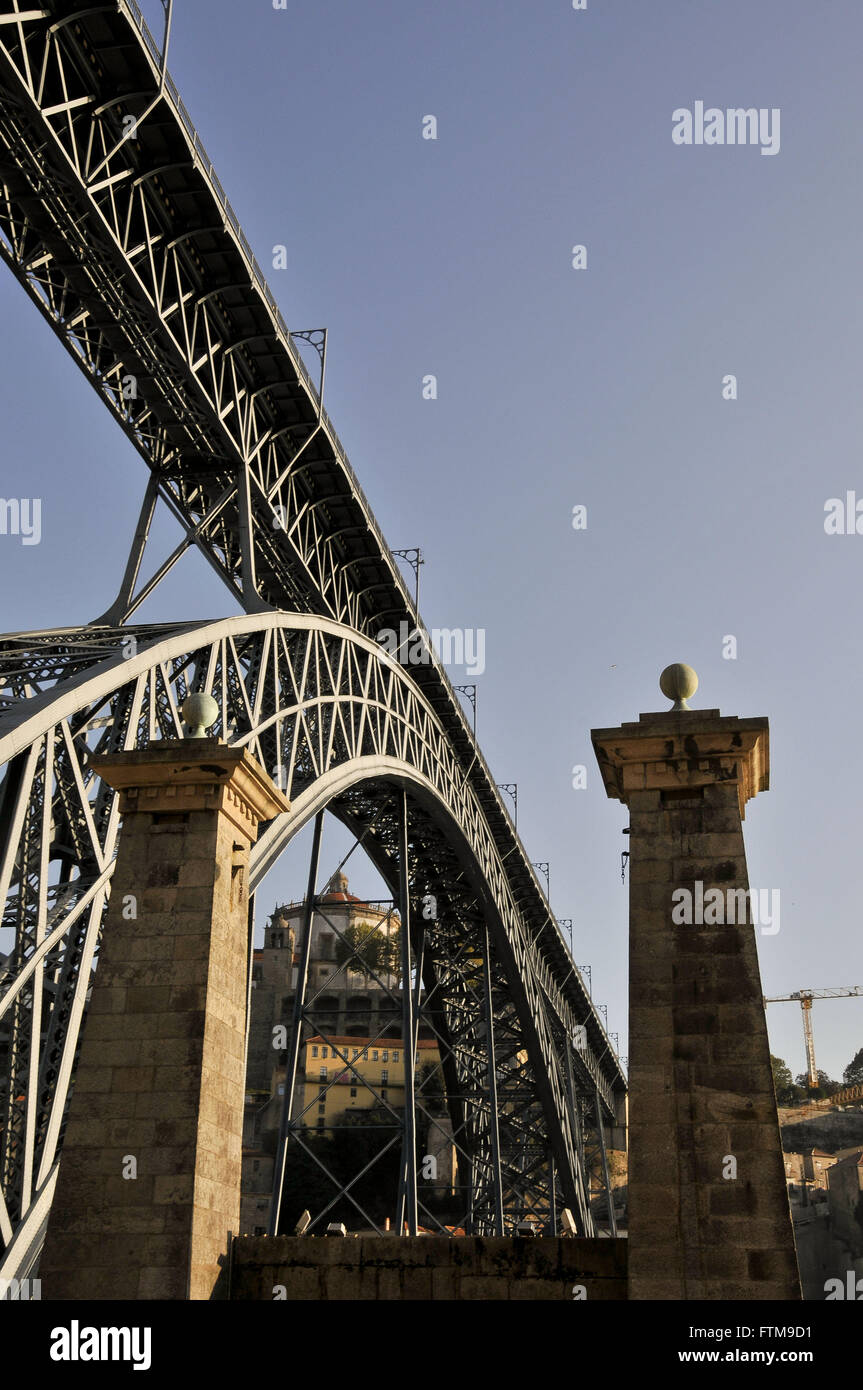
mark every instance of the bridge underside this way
{"type": "Point", "coordinates": [114, 223]}
{"type": "Point", "coordinates": [340, 726]}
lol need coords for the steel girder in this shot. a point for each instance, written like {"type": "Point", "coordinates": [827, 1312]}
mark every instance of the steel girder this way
{"type": "Point", "coordinates": [339, 724]}
{"type": "Point", "coordinates": [113, 221]}
{"type": "Point", "coordinates": [462, 1001]}
{"type": "Point", "coordinates": [132, 253]}
{"type": "Point", "coordinates": [128, 246]}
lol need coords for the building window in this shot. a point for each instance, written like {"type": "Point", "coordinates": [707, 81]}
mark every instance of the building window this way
{"type": "Point", "coordinates": [314, 1052]}
{"type": "Point", "coordinates": [356, 1053]}
{"type": "Point", "coordinates": [323, 1052]}
{"type": "Point", "coordinates": [281, 1088]}
{"type": "Point", "coordinates": [385, 1056]}
{"type": "Point", "coordinates": [383, 1095]}
{"type": "Point", "coordinates": [322, 1092]}
{"type": "Point", "coordinates": [256, 1165]}
{"type": "Point", "coordinates": [385, 1076]}
{"type": "Point", "coordinates": [321, 1108]}
{"type": "Point", "coordinates": [395, 1056]}
{"type": "Point", "coordinates": [321, 1122]}
{"type": "Point", "coordinates": [375, 1055]}
{"type": "Point", "coordinates": [353, 1091]}
{"type": "Point", "coordinates": [323, 1073]}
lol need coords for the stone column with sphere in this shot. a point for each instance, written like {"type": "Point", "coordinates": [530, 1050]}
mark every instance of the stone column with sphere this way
{"type": "Point", "coordinates": [148, 1191]}
{"type": "Point", "coordinates": [708, 1209]}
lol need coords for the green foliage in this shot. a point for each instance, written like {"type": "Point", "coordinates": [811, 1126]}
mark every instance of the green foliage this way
{"type": "Point", "coordinates": [826, 1086]}
{"type": "Point", "coordinates": [366, 950]}
{"type": "Point", "coordinates": [782, 1081]}
{"type": "Point", "coordinates": [853, 1073]}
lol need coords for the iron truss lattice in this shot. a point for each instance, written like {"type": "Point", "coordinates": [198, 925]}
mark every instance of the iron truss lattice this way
{"type": "Point", "coordinates": [340, 725]}
{"type": "Point", "coordinates": [114, 222]}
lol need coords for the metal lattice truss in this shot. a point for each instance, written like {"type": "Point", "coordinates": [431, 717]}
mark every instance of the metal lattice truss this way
{"type": "Point", "coordinates": [480, 1097]}
{"type": "Point", "coordinates": [113, 221]}
{"type": "Point", "coordinates": [339, 724]}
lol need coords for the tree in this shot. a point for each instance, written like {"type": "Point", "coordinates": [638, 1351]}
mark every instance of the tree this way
{"type": "Point", "coordinates": [366, 950]}
{"type": "Point", "coordinates": [853, 1073]}
{"type": "Point", "coordinates": [782, 1082]}
{"type": "Point", "coordinates": [825, 1087]}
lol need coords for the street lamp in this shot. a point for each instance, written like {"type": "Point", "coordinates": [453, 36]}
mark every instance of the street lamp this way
{"type": "Point", "coordinates": [511, 788]}
{"type": "Point", "coordinates": [544, 869]}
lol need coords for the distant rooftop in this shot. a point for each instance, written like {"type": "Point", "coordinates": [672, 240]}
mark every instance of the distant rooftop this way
{"type": "Point", "coordinates": [336, 891]}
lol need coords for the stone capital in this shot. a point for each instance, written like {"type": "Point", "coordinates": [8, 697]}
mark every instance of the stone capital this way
{"type": "Point", "coordinates": [198, 774]}
{"type": "Point", "coordinates": [684, 749]}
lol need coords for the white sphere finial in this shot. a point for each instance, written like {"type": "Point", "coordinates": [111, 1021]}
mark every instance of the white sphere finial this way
{"type": "Point", "coordinates": [199, 711]}
{"type": "Point", "coordinates": [678, 682]}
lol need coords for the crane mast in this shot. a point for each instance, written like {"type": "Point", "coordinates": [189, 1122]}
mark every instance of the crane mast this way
{"type": "Point", "coordinates": [805, 999]}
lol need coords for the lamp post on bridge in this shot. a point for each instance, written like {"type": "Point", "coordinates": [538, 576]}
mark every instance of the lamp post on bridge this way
{"type": "Point", "coordinates": [511, 788]}
{"type": "Point", "coordinates": [470, 692]}
{"type": "Point", "coordinates": [567, 922]}
{"type": "Point", "coordinates": [414, 557]}
{"type": "Point", "coordinates": [544, 869]}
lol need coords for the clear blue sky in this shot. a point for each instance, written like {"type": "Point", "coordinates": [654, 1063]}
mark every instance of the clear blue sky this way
{"type": "Point", "coordinates": [555, 387]}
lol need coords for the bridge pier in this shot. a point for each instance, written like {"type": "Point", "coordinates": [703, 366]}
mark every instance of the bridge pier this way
{"type": "Point", "coordinates": [148, 1192]}
{"type": "Point", "coordinates": [708, 1209]}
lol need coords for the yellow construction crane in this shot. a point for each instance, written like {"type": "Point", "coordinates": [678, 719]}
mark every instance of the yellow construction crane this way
{"type": "Point", "coordinates": [804, 998]}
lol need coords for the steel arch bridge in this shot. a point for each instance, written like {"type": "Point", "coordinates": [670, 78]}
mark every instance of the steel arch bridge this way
{"type": "Point", "coordinates": [113, 221]}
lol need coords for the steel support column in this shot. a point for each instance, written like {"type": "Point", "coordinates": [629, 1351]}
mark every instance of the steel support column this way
{"type": "Point", "coordinates": [118, 612]}
{"type": "Point", "coordinates": [609, 1196]}
{"type": "Point", "coordinates": [296, 1029]}
{"type": "Point", "coordinates": [407, 1205]}
{"type": "Point", "coordinates": [492, 1087]}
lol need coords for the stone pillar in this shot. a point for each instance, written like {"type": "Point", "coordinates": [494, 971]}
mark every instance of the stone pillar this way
{"type": "Point", "coordinates": [149, 1182]}
{"type": "Point", "coordinates": [702, 1105]}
